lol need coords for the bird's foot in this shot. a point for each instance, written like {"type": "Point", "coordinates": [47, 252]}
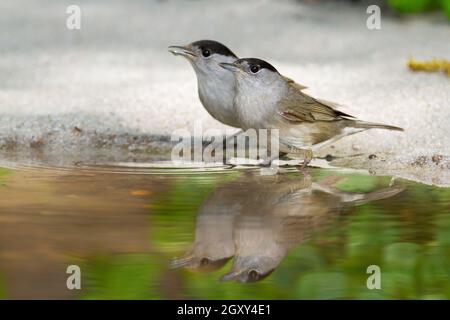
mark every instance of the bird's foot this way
{"type": "Point", "coordinates": [306, 154]}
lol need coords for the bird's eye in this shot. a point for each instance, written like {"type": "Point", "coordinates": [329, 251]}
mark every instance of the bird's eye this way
{"type": "Point", "coordinates": [253, 275]}
{"type": "Point", "coordinates": [206, 53]}
{"type": "Point", "coordinates": [254, 68]}
{"type": "Point", "coordinates": [204, 262]}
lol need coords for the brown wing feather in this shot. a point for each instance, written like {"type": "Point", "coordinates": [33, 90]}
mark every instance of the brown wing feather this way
{"type": "Point", "coordinates": [300, 107]}
{"type": "Point", "coordinates": [294, 84]}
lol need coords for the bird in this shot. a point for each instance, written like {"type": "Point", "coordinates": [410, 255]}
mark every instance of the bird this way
{"type": "Point", "coordinates": [264, 99]}
{"type": "Point", "coordinates": [215, 85]}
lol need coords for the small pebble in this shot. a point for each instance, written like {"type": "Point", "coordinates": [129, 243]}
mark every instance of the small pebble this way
{"type": "Point", "coordinates": [420, 161]}
{"type": "Point", "coordinates": [437, 158]}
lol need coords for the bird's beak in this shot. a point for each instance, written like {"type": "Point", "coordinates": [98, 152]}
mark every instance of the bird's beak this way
{"type": "Point", "coordinates": [182, 262]}
{"type": "Point", "coordinates": [182, 51]}
{"type": "Point", "coordinates": [232, 275]}
{"type": "Point", "coordinates": [233, 67]}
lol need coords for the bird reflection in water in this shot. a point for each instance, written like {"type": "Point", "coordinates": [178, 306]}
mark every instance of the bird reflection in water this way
{"type": "Point", "coordinates": [257, 219]}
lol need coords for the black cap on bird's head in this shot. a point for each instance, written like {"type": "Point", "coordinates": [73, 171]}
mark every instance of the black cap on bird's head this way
{"type": "Point", "coordinates": [251, 268]}
{"type": "Point", "coordinates": [197, 263]}
{"type": "Point", "coordinates": [212, 47]}
{"type": "Point", "coordinates": [255, 62]}
{"type": "Point", "coordinates": [250, 65]}
{"type": "Point", "coordinates": [247, 276]}
{"type": "Point", "coordinates": [203, 48]}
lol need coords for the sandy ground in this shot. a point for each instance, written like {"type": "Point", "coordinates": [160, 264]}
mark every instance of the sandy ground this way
{"type": "Point", "coordinates": [113, 84]}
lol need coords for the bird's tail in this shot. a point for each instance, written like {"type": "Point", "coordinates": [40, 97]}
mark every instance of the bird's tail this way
{"type": "Point", "coordinates": [357, 199]}
{"type": "Point", "coordinates": [372, 125]}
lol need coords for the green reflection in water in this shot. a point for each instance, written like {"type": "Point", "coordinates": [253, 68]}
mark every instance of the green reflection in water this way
{"type": "Point", "coordinates": [123, 276]}
{"type": "Point", "coordinates": [407, 235]}
{"type": "Point", "coordinates": [3, 174]}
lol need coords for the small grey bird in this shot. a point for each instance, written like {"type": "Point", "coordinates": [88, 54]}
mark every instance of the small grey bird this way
{"type": "Point", "coordinates": [265, 100]}
{"type": "Point", "coordinates": [215, 85]}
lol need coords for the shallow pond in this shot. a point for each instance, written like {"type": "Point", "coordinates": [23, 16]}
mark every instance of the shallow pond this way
{"type": "Point", "coordinates": [157, 233]}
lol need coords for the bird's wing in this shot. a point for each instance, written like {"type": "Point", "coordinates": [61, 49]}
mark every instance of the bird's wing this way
{"type": "Point", "coordinates": [294, 84]}
{"type": "Point", "coordinates": [331, 104]}
{"type": "Point", "coordinates": [300, 107]}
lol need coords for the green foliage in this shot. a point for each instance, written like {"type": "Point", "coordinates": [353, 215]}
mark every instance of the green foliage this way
{"type": "Point", "coordinates": [413, 6]}
{"type": "Point", "coordinates": [3, 174]}
{"type": "Point", "coordinates": [446, 7]}
{"type": "Point", "coordinates": [417, 6]}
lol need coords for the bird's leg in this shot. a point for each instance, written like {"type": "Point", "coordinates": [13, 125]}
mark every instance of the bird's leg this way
{"type": "Point", "coordinates": [229, 138]}
{"type": "Point", "coordinates": [284, 156]}
{"type": "Point", "coordinates": [225, 145]}
{"type": "Point", "coordinates": [267, 162]}
{"type": "Point", "coordinates": [306, 154]}
{"type": "Point", "coordinates": [215, 144]}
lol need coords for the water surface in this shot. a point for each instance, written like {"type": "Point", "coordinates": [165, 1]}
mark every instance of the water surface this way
{"type": "Point", "coordinates": [154, 233]}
